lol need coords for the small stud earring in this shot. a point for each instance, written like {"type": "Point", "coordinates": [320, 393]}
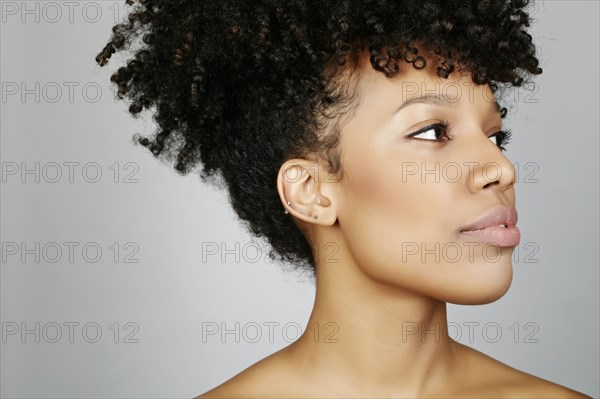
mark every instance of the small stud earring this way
{"type": "Point", "coordinates": [315, 216]}
{"type": "Point", "coordinates": [290, 204]}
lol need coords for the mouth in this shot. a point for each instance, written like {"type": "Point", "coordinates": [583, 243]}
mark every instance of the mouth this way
{"type": "Point", "coordinates": [502, 225]}
{"type": "Point", "coordinates": [501, 216]}
{"type": "Point", "coordinates": [497, 227]}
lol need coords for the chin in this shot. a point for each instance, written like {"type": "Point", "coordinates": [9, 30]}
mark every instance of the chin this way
{"type": "Point", "coordinates": [466, 281]}
{"type": "Point", "coordinates": [489, 285]}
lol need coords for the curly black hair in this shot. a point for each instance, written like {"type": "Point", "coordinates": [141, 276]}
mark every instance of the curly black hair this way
{"type": "Point", "coordinates": [242, 86]}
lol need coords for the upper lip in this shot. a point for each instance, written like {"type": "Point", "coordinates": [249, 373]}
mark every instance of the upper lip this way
{"type": "Point", "coordinates": [497, 216]}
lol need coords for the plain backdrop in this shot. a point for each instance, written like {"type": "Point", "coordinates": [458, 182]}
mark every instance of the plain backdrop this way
{"type": "Point", "coordinates": [122, 279]}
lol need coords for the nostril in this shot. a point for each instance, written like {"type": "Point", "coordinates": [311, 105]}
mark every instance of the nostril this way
{"type": "Point", "coordinates": [490, 183]}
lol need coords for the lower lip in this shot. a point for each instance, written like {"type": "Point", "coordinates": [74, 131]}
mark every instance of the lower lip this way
{"type": "Point", "coordinates": [501, 236]}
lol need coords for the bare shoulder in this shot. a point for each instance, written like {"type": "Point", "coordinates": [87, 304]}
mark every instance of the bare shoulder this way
{"type": "Point", "coordinates": [480, 376]}
{"type": "Point", "coordinates": [508, 382]}
{"type": "Point", "coordinates": [269, 373]}
{"type": "Point", "coordinates": [243, 385]}
{"type": "Point", "coordinates": [536, 387]}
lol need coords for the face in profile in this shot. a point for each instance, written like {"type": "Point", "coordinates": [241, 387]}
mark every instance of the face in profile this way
{"type": "Point", "coordinates": [404, 198]}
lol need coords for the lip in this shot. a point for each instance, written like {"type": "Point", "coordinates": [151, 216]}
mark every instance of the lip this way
{"type": "Point", "coordinates": [497, 216]}
{"type": "Point", "coordinates": [488, 229]}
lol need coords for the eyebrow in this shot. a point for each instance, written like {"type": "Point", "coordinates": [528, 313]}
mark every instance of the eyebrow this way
{"type": "Point", "coordinates": [436, 99]}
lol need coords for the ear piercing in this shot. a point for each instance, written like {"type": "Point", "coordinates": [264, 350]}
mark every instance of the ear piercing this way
{"type": "Point", "coordinates": [290, 204]}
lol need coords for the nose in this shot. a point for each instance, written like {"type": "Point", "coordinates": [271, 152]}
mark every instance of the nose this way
{"type": "Point", "coordinates": [491, 170]}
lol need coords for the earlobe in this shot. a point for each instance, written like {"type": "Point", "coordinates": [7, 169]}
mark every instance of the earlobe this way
{"type": "Point", "coordinates": [300, 193]}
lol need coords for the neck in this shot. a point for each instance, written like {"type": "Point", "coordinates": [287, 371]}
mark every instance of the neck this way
{"type": "Point", "coordinates": [374, 337]}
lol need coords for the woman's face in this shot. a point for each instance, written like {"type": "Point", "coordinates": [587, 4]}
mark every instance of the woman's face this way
{"type": "Point", "coordinates": [402, 201]}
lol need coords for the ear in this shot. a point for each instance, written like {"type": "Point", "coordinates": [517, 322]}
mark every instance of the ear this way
{"type": "Point", "coordinates": [305, 185]}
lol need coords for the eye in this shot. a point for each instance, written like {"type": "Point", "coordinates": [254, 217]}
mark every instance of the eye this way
{"type": "Point", "coordinates": [502, 138]}
{"type": "Point", "coordinates": [432, 132]}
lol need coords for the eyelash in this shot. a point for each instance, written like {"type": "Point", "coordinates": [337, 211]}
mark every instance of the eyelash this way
{"type": "Point", "coordinates": [505, 135]}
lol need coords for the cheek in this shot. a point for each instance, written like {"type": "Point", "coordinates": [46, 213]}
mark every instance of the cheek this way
{"type": "Point", "coordinates": [384, 212]}
{"type": "Point", "coordinates": [401, 231]}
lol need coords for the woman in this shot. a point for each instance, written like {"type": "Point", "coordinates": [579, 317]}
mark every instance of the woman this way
{"type": "Point", "coordinates": [364, 140]}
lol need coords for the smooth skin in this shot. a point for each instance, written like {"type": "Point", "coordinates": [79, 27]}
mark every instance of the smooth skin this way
{"type": "Point", "coordinates": [378, 327]}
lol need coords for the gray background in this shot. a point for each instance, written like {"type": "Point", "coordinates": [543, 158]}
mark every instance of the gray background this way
{"type": "Point", "coordinates": [163, 221]}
